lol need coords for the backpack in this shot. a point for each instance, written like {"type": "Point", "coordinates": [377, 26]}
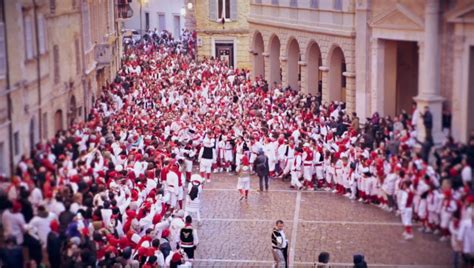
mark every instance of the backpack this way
{"type": "Point", "coordinates": [194, 191]}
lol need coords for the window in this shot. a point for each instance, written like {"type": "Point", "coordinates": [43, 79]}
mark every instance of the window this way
{"type": "Point", "coordinates": [29, 45]}
{"type": "Point", "coordinates": [258, 1]}
{"type": "Point", "coordinates": [74, 4]}
{"type": "Point", "coordinates": [223, 9]}
{"type": "Point", "coordinates": [86, 30]}
{"type": "Point", "coordinates": [16, 143]}
{"type": "Point", "coordinates": [275, 2]}
{"type": "Point", "coordinates": [77, 50]}
{"type": "Point", "coordinates": [41, 35]}
{"type": "Point", "coordinates": [52, 6]}
{"type": "Point", "coordinates": [314, 4]}
{"type": "Point", "coordinates": [338, 4]}
{"type": "Point", "coordinates": [294, 3]}
{"type": "Point", "coordinates": [57, 76]}
{"type": "Point", "coordinates": [147, 21]}
{"type": "Point", "coordinates": [3, 54]}
{"type": "Point", "coordinates": [161, 22]}
{"type": "Point", "coordinates": [177, 26]}
{"type": "Point", "coordinates": [111, 26]}
{"type": "Point", "coordinates": [45, 125]}
{"type": "Point", "coordinates": [3, 161]}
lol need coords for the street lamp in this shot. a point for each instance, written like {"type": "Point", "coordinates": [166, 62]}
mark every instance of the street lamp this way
{"type": "Point", "coordinates": [190, 5]}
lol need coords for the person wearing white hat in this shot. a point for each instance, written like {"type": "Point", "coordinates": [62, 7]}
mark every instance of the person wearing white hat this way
{"type": "Point", "coordinates": [193, 197]}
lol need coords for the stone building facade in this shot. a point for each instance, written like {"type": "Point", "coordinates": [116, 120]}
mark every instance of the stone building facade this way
{"type": "Point", "coordinates": [223, 30]}
{"type": "Point", "coordinates": [54, 57]}
{"type": "Point", "coordinates": [377, 56]}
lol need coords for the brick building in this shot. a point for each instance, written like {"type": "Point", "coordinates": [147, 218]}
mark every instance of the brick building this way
{"type": "Point", "coordinates": [223, 30]}
{"type": "Point", "coordinates": [54, 58]}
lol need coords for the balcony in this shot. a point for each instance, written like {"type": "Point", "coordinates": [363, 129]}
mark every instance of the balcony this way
{"type": "Point", "coordinates": [304, 18]}
{"type": "Point", "coordinates": [124, 11]}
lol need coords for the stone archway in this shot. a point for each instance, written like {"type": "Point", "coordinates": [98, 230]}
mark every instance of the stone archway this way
{"type": "Point", "coordinates": [58, 120]}
{"type": "Point", "coordinates": [337, 66]}
{"type": "Point", "coordinates": [258, 60]}
{"type": "Point", "coordinates": [313, 77]}
{"type": "Point", "coordinates": [294, 74]}
{"type": "Point", "coordinates": [274, 51]}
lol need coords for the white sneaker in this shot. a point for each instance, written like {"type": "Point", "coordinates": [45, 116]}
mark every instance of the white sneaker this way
{"type": "Point", "coordinates": [443, 238]}
{"type": "Point", "coordinates": [408, 236]}
{"type": "Point", "coordinates": [208, 180]}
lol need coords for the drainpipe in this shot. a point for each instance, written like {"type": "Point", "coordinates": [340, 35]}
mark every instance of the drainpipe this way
{"type": "Point", "coordinates": [38, 71]}
{"type": "Point", "coordinates": [9, 97]}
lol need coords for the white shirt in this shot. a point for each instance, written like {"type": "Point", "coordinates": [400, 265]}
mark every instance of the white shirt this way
{"type": "Point", "coordinates": [43, 227]}
{"type": "Point", "coordinates": [466, 174]}
{"type": "Point", "coordinates": [13, 225]}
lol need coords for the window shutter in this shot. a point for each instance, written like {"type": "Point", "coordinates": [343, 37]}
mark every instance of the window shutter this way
{"type": "Point", "coordinates": [233, 9]}
{"type": "Point", "coordinates": [314, 4]}
{"type": "Point", "coordinates": [28, 38]}
{"type": "Point", "coordinates": [338, 4]}
{"type": "Point", "coordinates": [41, 35]}
{"type": "Point", "coordinates": [212, 10]}
{"type": "Point", "coordinates": [3, 62]}
{"type": "Point", "coordinates": [56, 64]}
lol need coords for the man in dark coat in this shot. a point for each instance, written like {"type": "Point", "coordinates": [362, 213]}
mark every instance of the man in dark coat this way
{"type": "Point", "coordinates": [428, 122]}
{"type": "Point", "coordinates": [54, 245]}
{"type": "Point", "coordinates": [261, 167]}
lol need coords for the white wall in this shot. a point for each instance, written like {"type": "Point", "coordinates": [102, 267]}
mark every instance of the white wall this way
{"type": "Point", "coordinates": [169, 8]}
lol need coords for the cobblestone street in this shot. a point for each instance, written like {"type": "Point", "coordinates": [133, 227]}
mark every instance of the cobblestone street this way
{"type": "Point", "coordinates": [237, 233]}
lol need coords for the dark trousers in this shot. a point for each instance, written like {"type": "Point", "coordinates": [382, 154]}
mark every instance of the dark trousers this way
{"type": "Point", "coordinates": [189, 252]}
{"type": "Point", "coordinates": [285, 254]}
{"type": "Point", "coordinates": [261, 179]}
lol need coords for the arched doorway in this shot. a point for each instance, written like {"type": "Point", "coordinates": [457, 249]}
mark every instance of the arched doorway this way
{"type": "Point", "coordinates": [275, 69]}
{"type": "Point", "coordinates": [313, 77]}
{"type": "Point", "coordinates": [72, 110]}
{"type": "Point", "coordinates": [337, 66]}
{"type": "Point", "coordinates": [258, 61]}
{"type": "Point", "coordinates": [293, 66]}
{"type": "Point", "coordinates": [58, 121]}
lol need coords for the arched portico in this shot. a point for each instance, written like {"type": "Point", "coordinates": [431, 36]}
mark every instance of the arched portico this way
{"type": "Point", "coordinates": [274, 54]}
{"type": "Point", "coordinates": [258, 58]}
{"type": "Point", "coordinates": [313, 61]}
{"type": "Point", "coordinates": [336, 83]}
{"type": "Point", "coordinates": [293, 68]}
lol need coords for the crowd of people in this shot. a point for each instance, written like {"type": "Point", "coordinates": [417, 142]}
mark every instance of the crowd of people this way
{"type": "Point", "coordinates": [119, 189]}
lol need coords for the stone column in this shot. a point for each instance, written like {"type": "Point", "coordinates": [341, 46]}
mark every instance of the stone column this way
{"type": "Point", "coordinates": [284, 70]}
{"type": "Point", "coordinates": [304, 77]}
{"type": "Point", "coordinates": [325, 78]}
{"type": "Point", "coordinates": [377, 75]}
{"type": "Point", "coordinates": [266, 59]}
{"type": "Point", "coordinates": [350, 92]}
{"type": "Point", "coordinates": [459, 109]}
{"type": "Point", "coordinates": [429, 92]}
{"type": "Point", "coordinates": [362, 60]}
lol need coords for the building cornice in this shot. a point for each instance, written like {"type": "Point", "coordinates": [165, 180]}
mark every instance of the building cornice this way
{"type": "Point", "coordinates": [224, 31]}
{"type": "Point", "coordinates": [304, 28]}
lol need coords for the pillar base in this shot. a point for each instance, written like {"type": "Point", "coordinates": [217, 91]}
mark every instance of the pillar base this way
{"type": "Point", "coordinates": [435, 104]}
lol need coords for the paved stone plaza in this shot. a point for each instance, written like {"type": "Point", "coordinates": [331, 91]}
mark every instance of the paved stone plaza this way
{"type": "Point", "coordinates": [237, 233]}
